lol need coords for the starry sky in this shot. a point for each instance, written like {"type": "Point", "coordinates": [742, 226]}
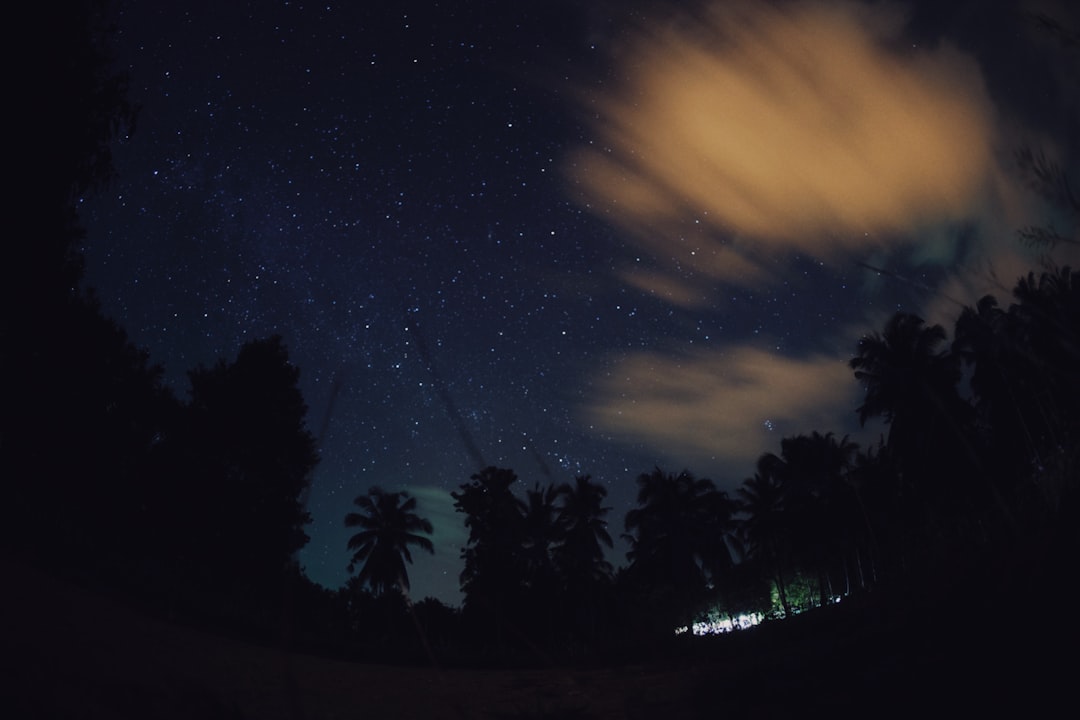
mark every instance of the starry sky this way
{"type": "Point", "coordinates": [566, 237]}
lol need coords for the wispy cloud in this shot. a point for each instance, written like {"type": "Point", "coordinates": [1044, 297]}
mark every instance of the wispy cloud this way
{"type": "Point", "coordinates": [428, 573]}
{"type": "Point", "coordinates": [761, 128]}
{"type": "Point", "coordinates": [435, 504]}
{"type": "Point", "coordinates": [730, 405]}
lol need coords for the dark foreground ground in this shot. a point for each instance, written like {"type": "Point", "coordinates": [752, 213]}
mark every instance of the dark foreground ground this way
{"type": "Point", "coordinates": [71, 653]}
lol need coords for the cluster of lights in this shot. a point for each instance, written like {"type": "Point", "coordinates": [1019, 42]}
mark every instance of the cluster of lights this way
{"type": "Point", "coordinates": [718, 627]}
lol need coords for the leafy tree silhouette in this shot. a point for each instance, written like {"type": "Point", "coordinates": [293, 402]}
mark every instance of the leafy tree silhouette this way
{"type": "Point", "coordinates": [80, 106]}
{"type": "Point", "coordinates": [439, 623]}
{"type": "Point", "coordinates": [240, 458]}
{"type": "Point", "coordinates": [379, 626]}
{"type": "Point", "coordinates": [83, 387]}
{"type": "Point", "coordinates": [388, 526]}
{"type": "Point", "coordinates": [70, 378]}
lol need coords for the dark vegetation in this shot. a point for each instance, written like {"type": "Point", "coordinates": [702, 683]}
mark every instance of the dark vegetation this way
{"type": "Point", "coordinates": [961, 523]}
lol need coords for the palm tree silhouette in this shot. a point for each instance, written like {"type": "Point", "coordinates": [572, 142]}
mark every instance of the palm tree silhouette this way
{"type": "Point", "coordinates": [911, 382]}
{"type": "Point", "coordinates": [388, 526]}
{"type": "Point", "coordinates": [1023, 377]}
{"type": "Point", "coordinates": [821, 506]}
{"type": "Point", "coordinates": [1010, 393]}
{"type": "Point", "coordinates": [1044, 324]}
{"type": "Point", "coordinates": [541, 530]}
{"type": "Point", "coordinates": [954, 501]}
{"type": "Point", "coordinates": [886, 509]}
{"type": "Point", "coordinates": [767, 536]}
{"type": "Point", "coordinates": [676, 536]}
{"type": "Point", "coordinates": [908, 378]}
{"type": "Point", "coordinates": [580, 555]}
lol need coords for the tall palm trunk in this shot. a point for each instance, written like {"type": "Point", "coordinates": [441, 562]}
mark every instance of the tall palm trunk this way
{"type": "Point", "coordinates": [781, 587]}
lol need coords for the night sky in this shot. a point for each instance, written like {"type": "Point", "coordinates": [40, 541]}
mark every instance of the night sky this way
{"type": "Point", "coordinates": [566, 237]}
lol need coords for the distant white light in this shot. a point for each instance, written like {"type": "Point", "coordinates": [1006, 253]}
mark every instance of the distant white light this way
{"type": "Point", "coordinates": [718, 626]}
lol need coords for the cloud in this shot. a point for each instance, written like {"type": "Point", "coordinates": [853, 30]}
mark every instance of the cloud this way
{"type": "Point", "coordinates": [760, 128]}
{"type": "Point", "coordinates": [435, 504]}
{"type": "Point", "coordinates": [753, 132]}
{"type": "Point", "coordinates": [731, 405]}
{"type": "Point", "coordinates": [436, 575]}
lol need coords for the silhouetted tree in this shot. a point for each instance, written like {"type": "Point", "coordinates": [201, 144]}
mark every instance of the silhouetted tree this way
{"type": "Point", "coordinates": [875, 483]}
{"type": "Point", "coordinates": [379, 626]}
{"type": "Point", "coordinates": [820, 507]}
{"type": "Point", "coordinates": [241, 458]}
{"type": "Point", "coordinates": [1012, 399]}
{"type": "Point", "coordinates": [83, 409]}
{"type": "Point", "coordinates": [1047, 321]}
{"type": "Point", "coordinates": [911, 382]}
{"type": "Point", "coordinates": [765, 529]}
{"type": "Point", "coordinates": [579, 557]}
{"type": "Point", "coordinates": [80, 403]}
{"type": "Point", "coordinates": [540, 532]}
{"type": "Point", "coordinates": [388, 526]}
{"type": "Point", "coordinates": [439, 623]}
{"type": "Point", "coordinates": [494, 575]}
{"type": "Point", "coordinates": [541, 588]}
{"type": "Point", "coordinates": [1023, 378]}
{"type": "Point", "coordinates": [676, 538]}
{"type": "Point", "coordinates": [1050, 180]}
{"type": "Point", "coordinates": [77, 106]}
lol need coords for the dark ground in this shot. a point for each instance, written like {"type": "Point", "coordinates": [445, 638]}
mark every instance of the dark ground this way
{"type": "Point", "coordinates": [74, 653]}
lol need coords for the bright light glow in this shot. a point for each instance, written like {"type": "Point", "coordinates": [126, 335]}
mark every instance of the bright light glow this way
{"type": "Point", "coordinates": [717, 626]}
{"type": "Point", "coordinates": [714, 624]}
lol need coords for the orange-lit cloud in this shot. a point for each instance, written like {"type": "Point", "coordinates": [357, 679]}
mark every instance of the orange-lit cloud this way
{"type": "Point", "coordinates": [799, 127]}
{"type": "Point", "coordinates": [756, 131]}
{"type": "Point", "coordinates": [705, 406]}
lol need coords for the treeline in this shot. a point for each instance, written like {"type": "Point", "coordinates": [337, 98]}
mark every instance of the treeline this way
{"type": "Point", "coordinates": [971, 490]}
{"type": "Point", "coordinates": [195, 507]}
{"type": "Point", "coordinates": [967, 503]}
{"type": "Point", "coordinates": [969, 497]}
